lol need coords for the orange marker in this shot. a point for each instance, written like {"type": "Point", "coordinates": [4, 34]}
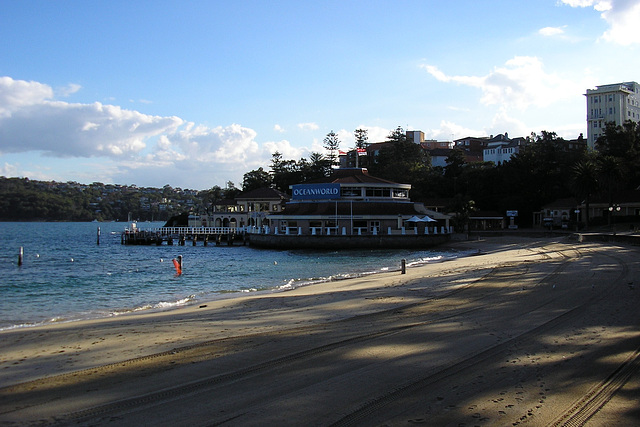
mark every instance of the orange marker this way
{"type": "Point", "coordinates": [176, 264]}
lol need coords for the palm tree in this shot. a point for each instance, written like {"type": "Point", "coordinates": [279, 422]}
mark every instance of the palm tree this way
{"type": "Point", "coordinates": [585, 182]}
{"type": "Point", "coordinates": [610, 173]}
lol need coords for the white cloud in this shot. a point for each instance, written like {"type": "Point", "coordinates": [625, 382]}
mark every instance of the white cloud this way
{"type": "Point", "coordinates": [63, 129]}
{"type": "Point", "coordinates": [502, 123]}
{"type": "Point", "coordinates": [133, 147]}
{"type": "Point", "coordinates": [17, 94]}
{"type": "Point", "coordinates": [551, 31]}
{"type": "Point", "coordinates": [582, 3]}
{"type": "Point", "coordinates": [449, 131]}
{"type": "Point", "coordinates": [232, 144]}
{"type": "Point", "coordinates": [521, 83]}
{"type": "Point", "coordinates": [9, 169]}
{"type": "Point", "coordinates": [376, 133]}
{"type": "Point", "coordinates": [285, 148]}
{"type": "Point", "coordinates": [278, 128]}
{"type": "Point", "coordinates": [622, 16]}
{"type": "Point", "coordinates": [308, 126]}
{"type": "Point", "coordinates": [68, 90]}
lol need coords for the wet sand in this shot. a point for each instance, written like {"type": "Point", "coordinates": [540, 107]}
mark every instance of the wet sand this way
{"type": "Point", "coordinates": [527, 332]}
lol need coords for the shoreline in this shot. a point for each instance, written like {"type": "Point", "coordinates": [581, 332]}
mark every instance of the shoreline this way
{"type": "Point", "coordinates": [506, 301]}
{"type": "Point", "coordinates": [355, 284]}
{"type": "Point", "coordinates": [192, 300]}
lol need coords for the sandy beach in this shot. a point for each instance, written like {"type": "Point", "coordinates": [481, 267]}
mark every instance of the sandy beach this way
{"type": "Point", "coordinates": [529, 331]}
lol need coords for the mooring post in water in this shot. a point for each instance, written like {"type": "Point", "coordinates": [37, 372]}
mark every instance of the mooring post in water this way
{"type": "Point", "coordinates": [98, 237]}
{"type": "Point", "coordinates": [20, 255]}
{"type": "Point", "coordinates": [404, 266]}
{"type": "Point", "coordinates": [180, 262]}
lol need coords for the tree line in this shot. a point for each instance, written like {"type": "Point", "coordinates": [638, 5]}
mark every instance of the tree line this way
{"type": "Point", "coordinates": [542, 171]}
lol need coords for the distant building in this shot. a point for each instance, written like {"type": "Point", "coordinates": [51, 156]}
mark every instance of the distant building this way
{"type": "Point", "coordinates": [616, 103]}
{"type": "Point", "coordinates": [432, 144]}
{"type": "Point", "coordinates": [472, 147]}
{"type": "Point", "coordinates": [501, 148]}
{"type": "Point", "coordinates": [416, 136]}
{"type": "Point", "coordinates": [249, 208]}
{"type": "Point", "coordinates": [439, 156]}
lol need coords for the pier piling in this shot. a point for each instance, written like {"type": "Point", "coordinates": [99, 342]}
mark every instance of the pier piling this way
{"type": "Point", "coordinates": [20, 255]}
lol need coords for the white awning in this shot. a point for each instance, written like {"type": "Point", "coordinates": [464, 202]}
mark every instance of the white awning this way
{"type": "Point", "coordinates": [418, 219]}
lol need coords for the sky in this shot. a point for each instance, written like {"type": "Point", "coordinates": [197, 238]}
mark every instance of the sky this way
{"type": "Point", "coordinates": [195, 94]}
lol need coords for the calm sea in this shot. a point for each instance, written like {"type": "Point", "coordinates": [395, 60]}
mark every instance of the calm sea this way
{"type": "Point", "coordinates": [67, 276]}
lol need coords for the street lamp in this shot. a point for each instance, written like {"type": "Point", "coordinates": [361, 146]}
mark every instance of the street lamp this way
{"type": "Point", "coordinates": [613, 208]}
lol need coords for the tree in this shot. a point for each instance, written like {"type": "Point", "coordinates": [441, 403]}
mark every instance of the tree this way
{"type": "Point", "coordinates": [210, 198]}
{"type": "Point", "coordinates": [284, 172]}
{"type": "Point", "coordinates": [255, 179]}
{"type": "Point", "coordinates": [585, 182]}
{"type": "Point", "coordinates": [401, 160]}
{"type": "Point", "coordinates": [331, 143]}
{"type": "Point", "coordinates": [397, 135]}
{"type": "Point", "coordinates": [231, 191]}
{"type": "Point", "coordinates": [462, 207]}
{"type": "Point", "coordinates": [455, 163]}
{"type": "Point", "coordinates": [623, 144]}
{"type": "Point", "coordinates": [318, 167]}
{"type": "Point", "coordinates": [361, 136]}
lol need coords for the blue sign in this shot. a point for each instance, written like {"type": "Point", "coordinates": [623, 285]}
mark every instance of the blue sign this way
{"type": "Point", "coordinates": [316, 191]}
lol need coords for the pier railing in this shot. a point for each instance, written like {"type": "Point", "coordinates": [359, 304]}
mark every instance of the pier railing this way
{"type": "Point", "coordinates": [344, 231]}
{"type": "Point", "coordinates": [158, 235]}
{"type": "Point", "coordinates": [190, 231]}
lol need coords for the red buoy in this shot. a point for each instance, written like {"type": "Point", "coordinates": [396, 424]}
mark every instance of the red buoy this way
{"type": "Point", "coordinates": [178, 267]}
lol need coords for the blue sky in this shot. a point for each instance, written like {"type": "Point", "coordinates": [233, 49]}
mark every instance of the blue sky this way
{"type": "Point", "coordinates": [197, 93]}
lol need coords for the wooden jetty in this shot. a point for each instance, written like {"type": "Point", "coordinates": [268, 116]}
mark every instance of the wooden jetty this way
{"type": "Point", "coordinates": [180, 235]}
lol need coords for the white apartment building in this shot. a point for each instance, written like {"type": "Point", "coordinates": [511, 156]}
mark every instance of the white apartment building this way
{"type": "Point", "coordinates": [616, 102]}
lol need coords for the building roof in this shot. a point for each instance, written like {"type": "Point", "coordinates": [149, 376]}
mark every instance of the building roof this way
{"type": "Point", "coordinates": [568, 203]}
{"type": "Point", "coordinates": [440, 152]}
{"type": "Point", "coordinates": [225, 202]}
{"type": "Point", "coordinates": [263, 193]}
{"type": "Point", "coordinates": [351, 176]}
{"type": "Point", "coordinates": [486, 215]}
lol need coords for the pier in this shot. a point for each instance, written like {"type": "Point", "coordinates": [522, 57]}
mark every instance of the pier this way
{"type": "Point", "coordinates": [181, 235]}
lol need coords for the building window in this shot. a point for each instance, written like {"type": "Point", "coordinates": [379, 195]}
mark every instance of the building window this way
{"type": "Point", "coordinates": [402, 194]}
{"type": "Point", "coordinates": [349, 192]}
{"type": "Point", "coordinates": [377, 192]}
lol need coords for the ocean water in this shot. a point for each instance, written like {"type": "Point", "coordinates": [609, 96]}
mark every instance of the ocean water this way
{"type": "Point", "coordinates": [67, 276]}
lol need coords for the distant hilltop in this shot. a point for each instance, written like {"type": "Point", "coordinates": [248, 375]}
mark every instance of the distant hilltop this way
{"type": "Point", "coordinates": [23, 199]}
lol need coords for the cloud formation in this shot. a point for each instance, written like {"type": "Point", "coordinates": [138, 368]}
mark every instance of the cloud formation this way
{"type": "Point", "coordinates": [308, 126]}
{"type": "Point", "coordinates": [32, 120]}
{"type": "Point", "coordinates": [521, 83]}
{"type": "Point", "coordinates": [622, 16]}
{"type": "Point", "coordinates": [551, 31]}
